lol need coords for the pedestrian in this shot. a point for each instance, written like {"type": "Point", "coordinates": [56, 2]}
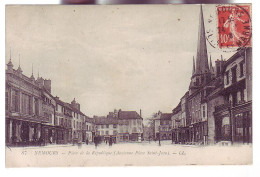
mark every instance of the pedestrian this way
{"type": "Point", "coordinates": [51, 140]}
{"type": "Point", "coordinates": [95, 142]}
{"type": "Point", "coordinates": [110, 141]}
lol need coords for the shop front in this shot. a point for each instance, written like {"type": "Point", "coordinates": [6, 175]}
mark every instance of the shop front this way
{"type": "Point", "coordinates": [234, 124]}
{"type": "Point", "coordinates": [242, 123]}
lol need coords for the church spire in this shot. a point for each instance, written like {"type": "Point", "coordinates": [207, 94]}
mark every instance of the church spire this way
{"type": "Point", "coordinates": [202, 65]}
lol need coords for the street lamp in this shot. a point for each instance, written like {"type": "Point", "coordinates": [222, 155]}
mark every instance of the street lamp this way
{"type": "Point", "coordinates": [159, 135]}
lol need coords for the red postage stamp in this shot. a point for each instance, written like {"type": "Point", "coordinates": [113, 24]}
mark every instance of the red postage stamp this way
{"type": "Point", "coordinates": [234, 26]}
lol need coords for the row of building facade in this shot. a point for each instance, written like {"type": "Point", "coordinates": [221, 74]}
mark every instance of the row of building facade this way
{"type": "Point", "coordinates": [35, 117]}
{"type": "Point", "coordinates": [217, 107]}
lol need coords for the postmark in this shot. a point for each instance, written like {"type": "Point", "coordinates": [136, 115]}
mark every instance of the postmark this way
{"type": "Point", "coordinates": [234, 26]}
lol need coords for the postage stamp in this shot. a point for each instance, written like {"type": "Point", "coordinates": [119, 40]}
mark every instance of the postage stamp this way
{"type": "Point", "coordinates": [234, 26]}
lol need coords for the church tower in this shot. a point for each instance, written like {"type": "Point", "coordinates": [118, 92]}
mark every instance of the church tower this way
{"type": "Point", "coordinates": [201, 72]}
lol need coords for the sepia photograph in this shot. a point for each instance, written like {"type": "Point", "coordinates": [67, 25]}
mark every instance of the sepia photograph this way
{"type": "Point", "coordinates": [128, 85]}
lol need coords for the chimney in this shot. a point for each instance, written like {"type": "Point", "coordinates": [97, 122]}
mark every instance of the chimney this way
{"type": "Point", "coordinates": [140, 112]}
{"type": "Point", "coordinates": [219, 64]}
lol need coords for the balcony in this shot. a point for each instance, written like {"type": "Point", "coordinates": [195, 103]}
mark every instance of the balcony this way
{"type": "Point", "coordinates": [222, 107]}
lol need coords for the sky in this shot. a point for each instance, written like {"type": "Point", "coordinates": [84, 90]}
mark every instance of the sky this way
{"type": "Point", "coordinates": [109, 57]}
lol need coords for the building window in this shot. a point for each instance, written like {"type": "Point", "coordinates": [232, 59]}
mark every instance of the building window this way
{"type": "Point", "coordinates": [30, 106]}
{"type": "Point", "coordinates": [107, 126]}
{"type": "Point", "coordinates": [242, 95]}
{"type": "Point", "coordinates": [204, 111]}
{"type": "Point", "coordinates": [6, 101]}
{"type": "Point", "coordinates": [106, 132]}
{"type": "Point", "coordinates": [55, 121]}
{"type": "Point", "coordinates": [134, 130]}
{"type": "Point", "coordinates": [114, 132]}
{"type": "Point", "coordinates": [114, 126]}
{"type": "Point", "coordinates": [234, 75]}
{"type": "Point", "coordinates": [134, 122]}
{"type": "Point", "coordinates": [227, 77]}
{"type": "Point", "coordinates": [15, 101]}
{"type": "Point", "coordinates": [102, 126]}
{"type": "Point", "coordinates": [241, 69]}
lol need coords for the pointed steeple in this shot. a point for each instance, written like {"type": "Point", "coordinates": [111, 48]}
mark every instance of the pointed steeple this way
{"type": "Point", "coordinates": [193, 68]}
{"type": "Point", "coordinates": [202, 65]}
{"type": "Point", "coordinates": [10, 64]}
{"type": "Point", "coordinates": [32, 77]}
{"type": "Point", "coordinates": [19, 68]}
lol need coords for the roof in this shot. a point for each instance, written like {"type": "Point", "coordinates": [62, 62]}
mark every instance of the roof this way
{"type": "Point", "coordinates": [104, 121]}
{"type": "Point", "coordinates": [90, 120]}
{"type": "Point", "coordinates": [128, 115]}
{"type": "Point", "coordinates": [68, 105]}
{"type": "Point", "coordinates": [239, 53]}
{"type": "Point", "coordinates": [177, 108]}
{"type": "Point", "coordinates": [166, 116]}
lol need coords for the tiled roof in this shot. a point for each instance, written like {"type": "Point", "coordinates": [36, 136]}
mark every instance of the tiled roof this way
{"type": "Point", "coordinates": [128, 115]}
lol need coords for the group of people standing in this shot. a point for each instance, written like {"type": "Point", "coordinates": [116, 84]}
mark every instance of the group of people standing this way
{"type": "Point", "coordinates": [97, 140]}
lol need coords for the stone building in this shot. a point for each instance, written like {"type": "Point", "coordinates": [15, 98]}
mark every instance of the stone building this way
{"type": "Point", "coordinates": [34, 116]}
{"type": "Point", "coordinates": [27, 114]}
{"type": "Point", "coordinates": [219, 100]}
{"type": "Point", "coordinates": [233, 118]}
{"type": "Point", "coordinates": [121, 125]}
{"type": "Point", "coordinates": [201, 76]}
{"type": "Point", "coordinates": [48, 111]}
{"type": "Point", "coordinates": [89, 128]}
{"type": "Point", "coordinates": [106, 127]}
{"type": "Point", "coordinates": [177, 124]}
{"type": "Point", "coordinates": [163, 126]}
{"type": "Point", "coordinates": [130, 126]}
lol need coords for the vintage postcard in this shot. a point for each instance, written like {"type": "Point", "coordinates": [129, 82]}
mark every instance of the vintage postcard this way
{"type": "Point", "coordinates": [128, 85]}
